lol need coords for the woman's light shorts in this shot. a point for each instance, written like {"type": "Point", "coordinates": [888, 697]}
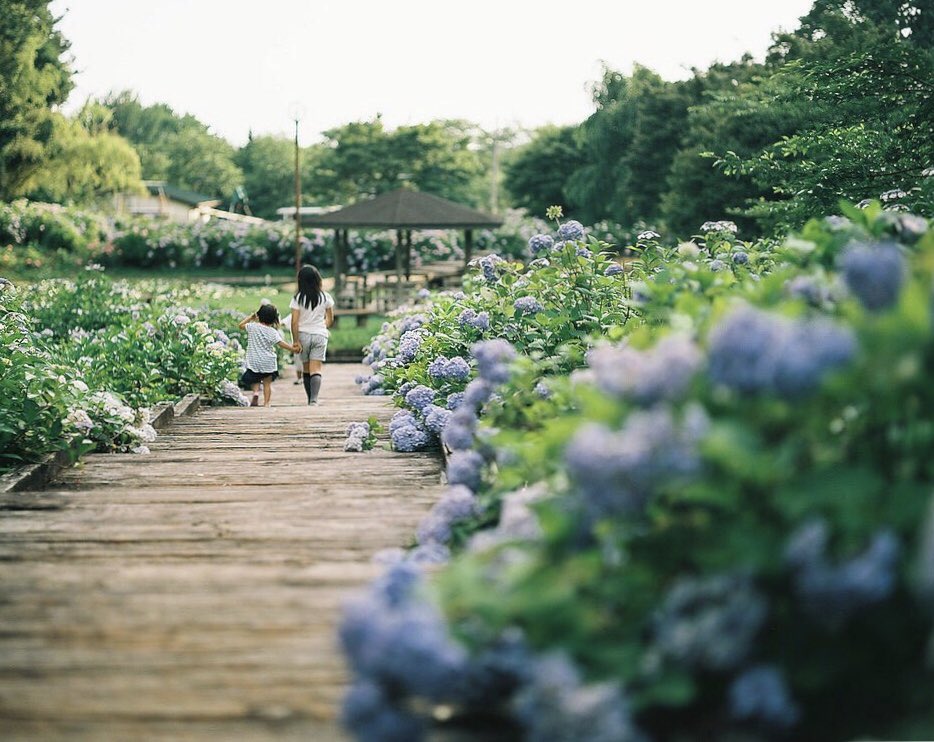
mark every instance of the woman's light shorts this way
{"type": "Point", "coordinates": [314, 346]}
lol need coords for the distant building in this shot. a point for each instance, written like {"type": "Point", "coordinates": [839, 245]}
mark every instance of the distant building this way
{"type": "Point", "coordinates": [164, 201]}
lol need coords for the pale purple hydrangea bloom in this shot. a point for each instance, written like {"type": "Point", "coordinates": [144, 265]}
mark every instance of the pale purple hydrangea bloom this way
{"type": "Point", "coordinates": [408, 438]}
{"type": "Point", "coordinates": [420, 397]}
{"type": "Point", "coordinates": [754, 351]}
{"type": "Point", "coordinates": [613, 269]}
{"type": "Point", "coordinates": [808, 289]}
{"type": "Point", "coordinates": [571, 231]}
{"type": "Point", "coordinates": [717, 265]}
{"type": "Point", "coordinates": [760, 695]}
{"type": "Point", "coordinates": [436, 418]}
{"type": "Point", "coordinates": [541, 243]}
{"type": "Point", "coordinates": [466, 468]}
{"type": "Point", "coordinates": [409, 345]}
{"type": "Point", "coordinates": [493, 358]}
{"type": "Point", "coordinates": [831, 593]}
{"type": "Point", "coordinates": [555, 705]}
{"type": "Point", "coordinates": [616, 472]}
{"type": "Point", "coordinates": [874, 273]}
{"type": "Point", "coordinates": [477, 393]}
{"type": "Point", "coordinates": [740, 257]}
{"type": "Point", "coordinates": [458, 434]}
{"type": "Point", "coordinates": [709, 623]}
{"type": "Point", "coordinates": [455, 399]}
{"type": "Point", "coordinates": [528, 305]}
{"type": "Point", "coordinates": [662, 372]}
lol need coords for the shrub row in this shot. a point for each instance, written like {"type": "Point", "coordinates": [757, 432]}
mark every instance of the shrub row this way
{"type": "Point", "coordinates": [699, 509]}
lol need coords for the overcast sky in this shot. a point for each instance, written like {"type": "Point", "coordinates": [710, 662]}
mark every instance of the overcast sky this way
{"type": "Point", "coordinates": [239, 64]}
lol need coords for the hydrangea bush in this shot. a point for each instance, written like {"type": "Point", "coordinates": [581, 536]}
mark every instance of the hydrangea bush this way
{"type": "Point", "coordinates": [84, 360]}
{"type": "Point", "coordinates": [713, 519]}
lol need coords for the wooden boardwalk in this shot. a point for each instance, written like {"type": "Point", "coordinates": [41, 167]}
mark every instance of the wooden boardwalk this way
{"type": "Point", "coordinates": [193, 593]}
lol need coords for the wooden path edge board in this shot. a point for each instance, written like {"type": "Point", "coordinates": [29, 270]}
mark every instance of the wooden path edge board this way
{"type": "Point", "coordinates": [194, 593]}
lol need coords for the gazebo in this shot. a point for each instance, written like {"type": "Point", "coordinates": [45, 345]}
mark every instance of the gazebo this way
{"type": "Point", "coordinates": [403, 210]}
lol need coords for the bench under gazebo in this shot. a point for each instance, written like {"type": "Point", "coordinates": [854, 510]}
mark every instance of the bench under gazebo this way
{"type": "Point", "coordinates": [402, 210]}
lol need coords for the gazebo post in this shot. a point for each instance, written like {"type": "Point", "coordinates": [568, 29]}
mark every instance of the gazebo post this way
{"type": "Point", "coordinates": [408, 254]}
{"type": "Point", "coordinates": [468, 247]}
{"type": "Point", "coordinates": [399, 266]}
{"type": "Point", "coordinates": [338, 267]}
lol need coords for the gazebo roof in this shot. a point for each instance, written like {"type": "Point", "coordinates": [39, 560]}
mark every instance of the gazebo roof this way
{"type": "Point", "coordinates": [405, 209]}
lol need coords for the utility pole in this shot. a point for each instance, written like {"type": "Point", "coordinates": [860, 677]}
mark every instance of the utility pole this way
{"type": "Point", "coordinates": [298, 205]}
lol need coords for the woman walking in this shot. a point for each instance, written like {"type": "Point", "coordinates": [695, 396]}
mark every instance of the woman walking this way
{"type": "Point", "coordinates": [312, 315]}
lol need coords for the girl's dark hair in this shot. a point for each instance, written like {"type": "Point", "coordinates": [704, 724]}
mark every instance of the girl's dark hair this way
{"type": "Point", "coordinates": [268, 314]}
{"type": "Point", "coordinates": [309, 287]}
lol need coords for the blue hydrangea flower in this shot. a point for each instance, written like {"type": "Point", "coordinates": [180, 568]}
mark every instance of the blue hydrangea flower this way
{"type": "Point", "coordinates": [481, 321]}
{"type": "Point", "coordinates": [457, 503]}
{"type": "Point", "coordinates": [430, 553]}
{"type": "Point", "coordinates": [541, 243]}
{"type": "Point", "coordinates": [758, 352]}
{"type": "Point", "coordinates": [408, 438]}
{"type": "Point", "coordinates": [528, 305]}
{"type": "Point", "coordinates": [412, 322]}
{"type": "Point", "coordinates": [542, 390]}
{"type": "Point", "coordinates": [493, 358]}
{"type": "Point", "coordinates": [809, 289]}
{"type": "Point", "coordinates": [740, 257]}
{"type": "Point", "coordinates": [433, 528]}
{"type": "Point", "coordinates": [477, 393]}
{"type": "Point", "coordinates": [420, 397]}
{"type": "Point", "coordinates": [455, 400]}
{"type": "Point", "coordinates": [466, 317]}
{"type": "Point", "coordinates": [571, 231]}
{"type": "Point", "coordinates": [662, 372]}
{"type": "Point", "coordinates": [617, 472]}
{"type": "Point", "coordinates": [874, 273]}
{"type": "Point", "coordinates": [613, 269]}
{"type": "Point", "coordinates": [401, 418]}
{"type": "Point", "coordinates": [409, 345]}
{"type": "Point", "coordinates": [466, 468]}
{"type": "Point", "coordinates": [717, 265]}
{"type": "Point", "coordinates": [556, 706]}
{"type": "Point", "coordinates": [457, 369]}
{"type": "Point", "coordinates": [458, 434]}
{"type": "Point", "coordinates": [709, 623]}
{"type": "Point", "coordinates": [438, 367]}
{"type": "Point", "coordinates": [583, 252]}
{"type": "Point", "coordinates": [831, 593]}
{"type": "Point", "coordinates": [761, 696]}
{"type": "Point", "coordinates": [488, 264]}
{"type": "Point", "coordinates": [436, 418]}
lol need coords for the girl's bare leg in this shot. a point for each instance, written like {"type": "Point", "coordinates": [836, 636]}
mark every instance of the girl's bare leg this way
{"type": "Point", "coordinates": [267, 390]}
{"type": "Point", "coordinates": [255, 400]}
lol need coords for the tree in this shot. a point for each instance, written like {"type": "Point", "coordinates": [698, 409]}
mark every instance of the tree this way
{"type": "Point", "coordinates": [363, 159]}
{"type": "Point", "coordinates": [268, 166]}
{"type": "Point", "coordinates": [868, 130]}
{"type": "Point", "coordinates": [177, 148]}
{"type": "Point", "coordinates": [33, 78]}
{"type": "Point", "coordinates": [537, 172]}
{"type": "Point", "coordinates": [86, 166]}
{"type": "Point", "coordinates": [202, 162]}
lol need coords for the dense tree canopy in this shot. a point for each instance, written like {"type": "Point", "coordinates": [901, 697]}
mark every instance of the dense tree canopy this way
{"type": "Point", "coordinates": [536, 174]}
{"type": "Point", "coordinates": [34, 77]}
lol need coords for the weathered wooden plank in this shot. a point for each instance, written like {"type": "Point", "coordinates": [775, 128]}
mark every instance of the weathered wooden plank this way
{"type": "Point", "coordinates": [193, 593]}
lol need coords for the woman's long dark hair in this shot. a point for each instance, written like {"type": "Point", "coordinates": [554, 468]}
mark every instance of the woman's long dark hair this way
{"type": "Point", "coordinates": [309, 287]}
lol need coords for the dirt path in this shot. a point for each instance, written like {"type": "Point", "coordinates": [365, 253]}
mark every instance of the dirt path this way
{"type": "Point", "coordinates": [193, 593]}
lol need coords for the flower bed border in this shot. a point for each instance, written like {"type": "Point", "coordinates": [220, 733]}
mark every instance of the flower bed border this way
{"type": "Point", "coordinates": [38, 474]}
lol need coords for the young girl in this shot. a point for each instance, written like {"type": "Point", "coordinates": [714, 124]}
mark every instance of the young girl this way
{"type": "Point", "coordinates": [312, 315]}
{"type": "Point", "coordinates": [262, 364]}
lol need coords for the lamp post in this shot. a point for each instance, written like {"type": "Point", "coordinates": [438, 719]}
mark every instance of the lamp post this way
{"type": "Point", "coordinates": [295, 111]}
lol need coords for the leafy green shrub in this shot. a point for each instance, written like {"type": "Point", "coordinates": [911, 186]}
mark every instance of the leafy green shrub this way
{"type": "Point", "coordinates": [715, 526]}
